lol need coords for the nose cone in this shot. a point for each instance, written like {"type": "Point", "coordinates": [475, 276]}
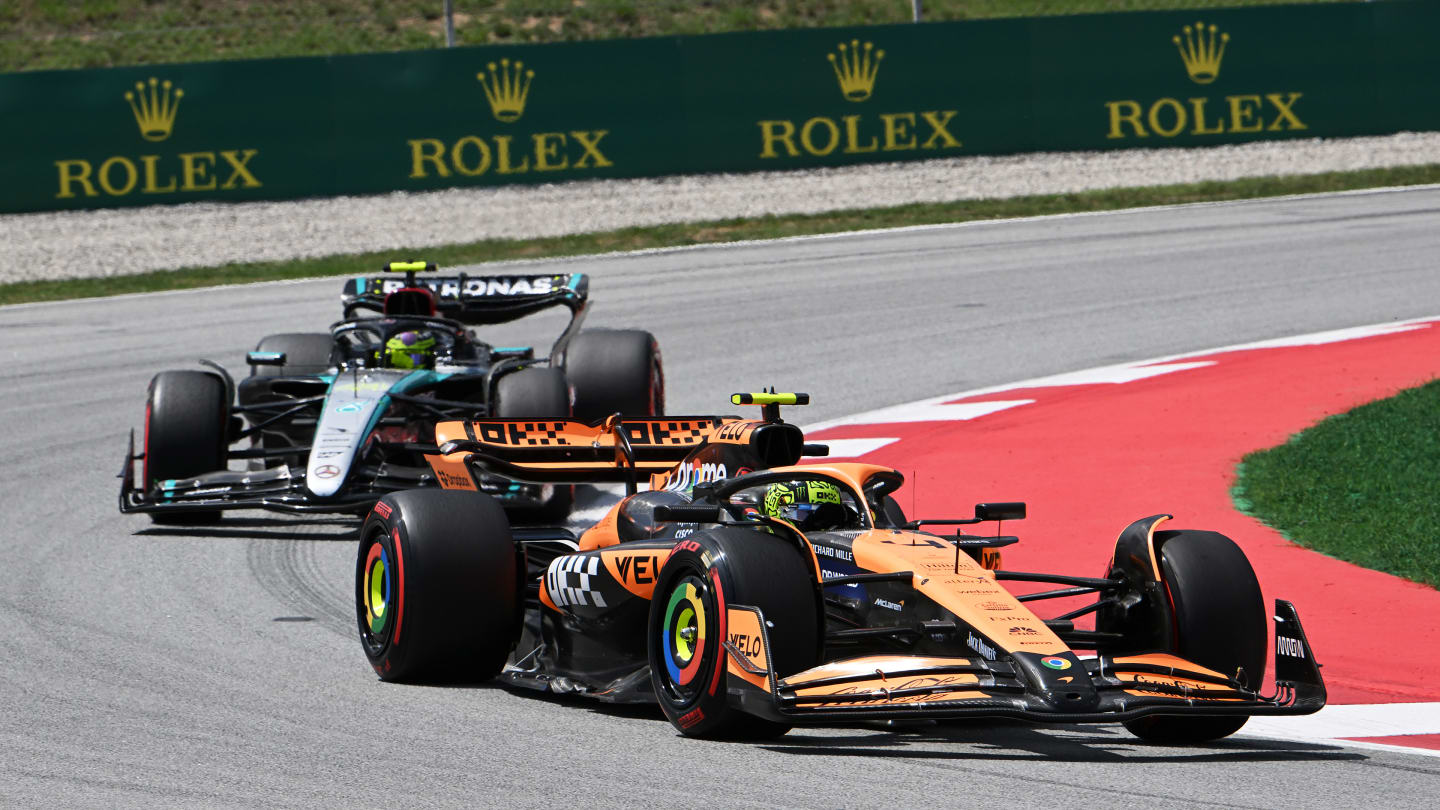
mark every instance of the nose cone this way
{"type": "Point", "coordinates": [1059, 680]}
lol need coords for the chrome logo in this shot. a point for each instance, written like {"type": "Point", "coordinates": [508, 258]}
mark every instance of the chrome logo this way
{"type": "Point", "coordinates": [1055, 662]}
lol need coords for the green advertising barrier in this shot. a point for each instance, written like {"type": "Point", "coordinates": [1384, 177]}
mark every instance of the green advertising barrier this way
{"type": "Point", "coordinates": [485, 116]}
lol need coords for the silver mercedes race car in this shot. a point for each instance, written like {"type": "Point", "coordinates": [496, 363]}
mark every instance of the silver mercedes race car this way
{"type": "Point", "coordinates": [331, 421]}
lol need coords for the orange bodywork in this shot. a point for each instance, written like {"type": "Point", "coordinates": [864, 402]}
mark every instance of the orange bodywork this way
{"type": "Point", "coordinates": [748, 659]}
{"type": "Point", "coordinates": [887, 674]}
{"type": "Point", "coordinates": [957, 583]}
{"type": "Point", "coordinates": [605, 533]}
{"type": "Point", "coordinates": [451, 472]}
{"type": "Point", "coordinates": [635, 569]}
{"type": "Point", "coordinates": [1169, 682]}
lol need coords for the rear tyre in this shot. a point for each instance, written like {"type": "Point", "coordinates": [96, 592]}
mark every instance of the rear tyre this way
{"type": "Point", "coordinates": [1219, 623]}
{"type": "Point", "coordinates": [305, 353]}
{"type": "Point", "coordinates": [436, 588]}
{"type": "Point", "coordinates": [542, 393]}
{"type": "Point", "coordinates": [687, 659]}
{"type": "Point", "coordinates": [616, 371]}
{"type": "Point", "coordinates": [187, 417]}
{"type": "Point", "coordinates": [538, 392]}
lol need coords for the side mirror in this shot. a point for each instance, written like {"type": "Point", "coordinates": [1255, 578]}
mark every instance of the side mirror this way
{"type": "Point", "coordinates": [265, 358]}
{"type": "Point", "coordinates": [687, 513]}
{"type": "Point", "coordinates": [1012, 510]}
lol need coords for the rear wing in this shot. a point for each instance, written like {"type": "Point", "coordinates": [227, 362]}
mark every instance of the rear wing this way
{"type": "Point", "coordinates": [615, 450]}
{"type": "Point", "coordinates": [475, 300]}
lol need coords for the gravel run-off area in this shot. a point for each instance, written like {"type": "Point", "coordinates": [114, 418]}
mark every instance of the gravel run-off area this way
{"type": "Point", "coordinates": [79, 244]}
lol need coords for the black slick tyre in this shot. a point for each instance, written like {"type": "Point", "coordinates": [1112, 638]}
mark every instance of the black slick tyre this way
{"type": "Point", "coordinates": [541, 393]}
{"type": "Point", "coordinates": [305, 353]}
{"type": "Point", "coordinates": [1220, 623]}
{"type": "Point", "coordinates": [537, 392]}
{"type": "Point", "coordinates": [616, 371]}
{"type": "Point", "coordinates": [187, 416]}
{"type": "Point", "coordinates": [436, 587]}
{"type": "Point", "coordinates": [703, 575]}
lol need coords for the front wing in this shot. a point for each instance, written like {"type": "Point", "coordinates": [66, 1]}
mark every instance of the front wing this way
{"type": "Point", "coordinates": [1067, 689]}
{"type": "Point", "coordinates": [282, 489]}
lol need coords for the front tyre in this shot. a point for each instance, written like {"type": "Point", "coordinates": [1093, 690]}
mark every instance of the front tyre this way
{"type": "Point", "coordinates": [436, 587]}
{"type": "Point", "coordinates": [305, 353]}
{"type": "Point", "coordinates": [187, 415]}
{"type": "Point", "coordinates": [1220, 623]}
{"type": "Point", "coordinates": [703, 576]}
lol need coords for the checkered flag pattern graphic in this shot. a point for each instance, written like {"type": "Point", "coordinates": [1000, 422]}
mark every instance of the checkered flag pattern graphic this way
{"type": "Point", "coordinates": [568, 581]}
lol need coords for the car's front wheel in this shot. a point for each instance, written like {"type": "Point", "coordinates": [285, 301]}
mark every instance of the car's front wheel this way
{"type": "Point", "coordinates": [187, 416]}
{"type": "Point", "coordinates": [703, 576]}
{"type": "Point", "coordinates": [436, 588]}
{"type": "Point", "coordinates": [1219, 623]}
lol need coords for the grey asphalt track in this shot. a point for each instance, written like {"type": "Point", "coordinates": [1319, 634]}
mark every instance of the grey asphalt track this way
{"type": "Point", "coordinates": [149, 666]}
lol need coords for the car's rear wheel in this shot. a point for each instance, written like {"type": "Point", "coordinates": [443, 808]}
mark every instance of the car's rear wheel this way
{"type": "Point", "coordinates": [703, 575]}
{"type": "Point", "coordinates": [541, 393]}
{"type": "Point", "coordinates": [1220, 623]}
{"type": "Point", "coordinates": [305, 353]}
{"type": "Point", "coordinates": [436, 588]}
{"type": "Point", "coordinates": [616, 371]}
{"type": "Point", "coordinates": [187, 417]}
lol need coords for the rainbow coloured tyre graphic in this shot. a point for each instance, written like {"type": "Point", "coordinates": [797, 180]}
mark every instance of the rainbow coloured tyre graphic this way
{"type": "Point", "coordinates": [376, 590]}
{"type": "Point", "coordinates": [682, 635]}
{"type": "Point", "coordinates": [689, 615]}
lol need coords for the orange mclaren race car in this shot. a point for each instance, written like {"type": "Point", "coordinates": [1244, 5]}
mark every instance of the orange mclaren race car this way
{"type": "Point", "coordinates": [746, 594]}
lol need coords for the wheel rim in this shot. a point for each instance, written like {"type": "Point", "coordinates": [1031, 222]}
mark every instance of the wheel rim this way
{"type": "Point", "coordinates": [377, 591]}
{"type": "Point", "coordinates": [376, 604]}
{"type": "Point", "coordinates": [683, 638]}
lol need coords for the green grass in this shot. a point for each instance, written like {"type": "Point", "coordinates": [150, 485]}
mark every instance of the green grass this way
{"type": "Point", "coordinates": [720, 231]}
{"type": "Point", "coordinates": [59, 34]}
{"type": "Point", "coordinates": [1360, 486]}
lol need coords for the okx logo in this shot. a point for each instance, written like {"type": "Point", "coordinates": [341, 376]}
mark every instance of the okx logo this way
{"type": "Point", "coordinates": [856, 68]}
{"type": "Point", "coordinates": [155, 105]}
{"type": "Point", "coordinates": [1202, 50]}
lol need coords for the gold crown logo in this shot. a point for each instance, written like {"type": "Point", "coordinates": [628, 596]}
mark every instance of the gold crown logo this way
{"type": "Point", "coordinates": [1200, 53]}
{"type": "Point", "coordinates": [506, 89]}
{"type": "Point", "coordinates": [855, 69]}
{"type": "Point", "coordinates": [155, 112]}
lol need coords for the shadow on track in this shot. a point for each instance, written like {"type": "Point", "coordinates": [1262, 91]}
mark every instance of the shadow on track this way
{"type": "Point", "coordinates": [1003, 741]}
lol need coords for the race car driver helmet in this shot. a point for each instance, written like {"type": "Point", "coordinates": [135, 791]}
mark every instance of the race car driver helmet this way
{"type": "Point", "coordinates": [809, 505]}
{"type": "Point", "coordinates": [410, 349]}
